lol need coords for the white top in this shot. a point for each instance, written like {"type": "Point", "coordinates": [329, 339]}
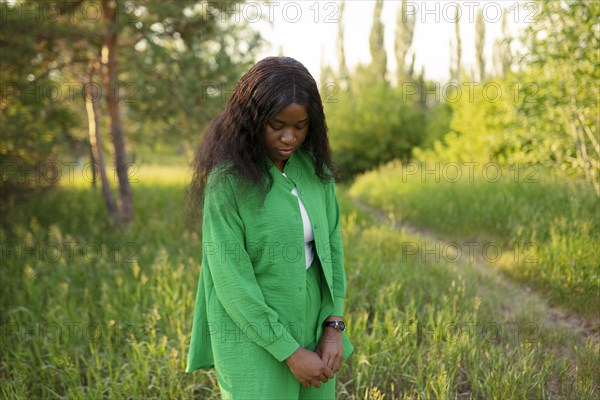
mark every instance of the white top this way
{"type": "Point", "coordinates": [309, 235]}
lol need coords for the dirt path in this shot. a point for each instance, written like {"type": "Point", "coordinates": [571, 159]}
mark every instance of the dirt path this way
{"type": "Point", "coordinates": [518, 297]}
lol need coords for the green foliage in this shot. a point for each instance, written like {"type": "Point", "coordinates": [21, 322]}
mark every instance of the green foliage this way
{"type": "Point", "coordinates": [178, 63]}
{"type": "Point", "coordinates": [484, 127]}
{"type": "Point", "coordinates": [547, 112]}
{"type": "Point", "coordinates": [36, 121]}
{"type": "Point", "coordinates": [361, 137]}
{"type": "Point", "coordinates": [437, 124]}
{"type": "Point", "coordinates": [184, 70]}
{"type": "Point", "coordinates": [563, 61]}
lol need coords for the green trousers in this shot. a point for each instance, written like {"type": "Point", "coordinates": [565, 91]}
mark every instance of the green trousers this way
{"type": "Point", "coordinates": [254, 374]}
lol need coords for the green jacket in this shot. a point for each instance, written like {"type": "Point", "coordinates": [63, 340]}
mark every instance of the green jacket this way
{"type": "Point", "coordinates": [253, 263]}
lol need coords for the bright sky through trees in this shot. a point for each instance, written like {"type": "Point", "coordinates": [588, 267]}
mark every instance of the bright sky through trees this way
{"type": "Point", "coordinates": [306, 30]}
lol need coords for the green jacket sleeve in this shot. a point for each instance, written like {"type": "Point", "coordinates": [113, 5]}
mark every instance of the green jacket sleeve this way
{"type": "Point", "coordinates": [337, 250]}
{"type": "Point", "coordinates": [232, 271]}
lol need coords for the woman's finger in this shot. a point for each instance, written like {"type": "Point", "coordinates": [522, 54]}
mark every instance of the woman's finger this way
{"type": "Point", "coordinates": [329, 360]}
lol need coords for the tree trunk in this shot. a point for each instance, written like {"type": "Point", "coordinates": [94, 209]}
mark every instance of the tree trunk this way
{"type": "Point", "coordinates": [91, 107]}
{"type": "Point", "coordinates": [111, 89]}
{"type": "Point", "coordinates": [94, 177]}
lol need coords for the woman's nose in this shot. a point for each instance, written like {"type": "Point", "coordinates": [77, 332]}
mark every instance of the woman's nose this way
{"type": "Point", "coordinates": [288, 136]}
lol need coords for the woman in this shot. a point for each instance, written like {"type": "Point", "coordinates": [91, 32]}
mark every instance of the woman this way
{"type": "Point", "coordinates": [269, 308]}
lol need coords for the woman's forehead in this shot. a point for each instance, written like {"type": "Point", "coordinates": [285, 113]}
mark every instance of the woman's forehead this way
{"type": "Point", "coordinates": [292, 112]}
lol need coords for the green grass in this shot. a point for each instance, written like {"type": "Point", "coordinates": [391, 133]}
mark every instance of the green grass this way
{"type": "Point", "coordinates": [108, 314]}
{"type": "Point", "coordinates": [547, 228]}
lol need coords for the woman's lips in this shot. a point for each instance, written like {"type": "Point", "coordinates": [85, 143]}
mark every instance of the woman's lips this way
{"type": "Point", "coordinates": [285, 152]}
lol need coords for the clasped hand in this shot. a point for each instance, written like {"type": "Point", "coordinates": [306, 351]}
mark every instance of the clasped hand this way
{"type": "Point", "coordinates": [312, 368]}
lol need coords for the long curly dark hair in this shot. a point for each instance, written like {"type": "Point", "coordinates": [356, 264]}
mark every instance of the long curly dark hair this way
{"type": "Point", "coordinates": [237, 134]}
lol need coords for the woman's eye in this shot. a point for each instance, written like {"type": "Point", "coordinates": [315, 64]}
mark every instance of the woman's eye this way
{"type": "Point", "coordinates": [278, 127]}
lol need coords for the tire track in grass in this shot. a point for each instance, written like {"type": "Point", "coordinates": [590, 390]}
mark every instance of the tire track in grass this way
{"type": "Point", "coordinates": [516, 299]}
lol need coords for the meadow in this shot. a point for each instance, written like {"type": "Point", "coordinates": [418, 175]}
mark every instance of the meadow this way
{"type": "Point", "coordinates": [535, 226]}
{"type": "Point", "coordinates": [90, 311]}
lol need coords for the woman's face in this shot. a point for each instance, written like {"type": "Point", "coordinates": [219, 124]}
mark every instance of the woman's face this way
{"type": "Point", "coordinates": [285, 132]}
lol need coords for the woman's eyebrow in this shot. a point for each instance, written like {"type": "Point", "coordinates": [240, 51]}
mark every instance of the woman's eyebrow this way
{"type": "Point", "coordinates": [283, 122]}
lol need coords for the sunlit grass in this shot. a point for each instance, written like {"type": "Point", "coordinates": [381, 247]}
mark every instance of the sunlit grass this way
{"type": "Point", "coordinates": [89, 311]}
{"type": "Point", "coordinates": [139, 174]}
{"type": "Point", "coordinates": [547, 228]}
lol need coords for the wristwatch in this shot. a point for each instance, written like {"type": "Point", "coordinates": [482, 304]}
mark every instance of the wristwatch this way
{"type": "Point", "coordinates": [338, 324]}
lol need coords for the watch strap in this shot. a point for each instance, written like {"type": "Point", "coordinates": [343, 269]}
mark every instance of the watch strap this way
{"type": "Point", "coordinates": [340, 325]}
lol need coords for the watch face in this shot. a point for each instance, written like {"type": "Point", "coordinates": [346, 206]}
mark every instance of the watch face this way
{"type": "Point", "coordinates": [339, 325]}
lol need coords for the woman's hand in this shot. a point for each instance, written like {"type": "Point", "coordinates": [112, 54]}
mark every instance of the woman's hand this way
{"type": "Point", "coordinates": [308, 368]}
{"type": "Point", "coordinates": [330, 348]}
